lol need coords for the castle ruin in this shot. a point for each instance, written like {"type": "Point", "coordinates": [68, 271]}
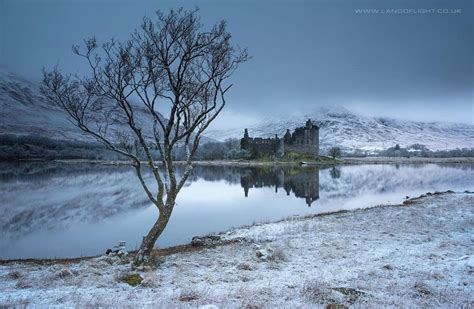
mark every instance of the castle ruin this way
{"type": "Point", "coordinates": [304, 140]}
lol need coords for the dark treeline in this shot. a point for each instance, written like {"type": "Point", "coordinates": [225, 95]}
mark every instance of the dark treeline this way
{"type": "Point", "coordinates": [228, 150]}
{"type": "Point", "coordinates": [22, 147]}
{"type": "Point", "coordinates": [419, 150]}
{"type": "Point", "coordinates": [27, 147]}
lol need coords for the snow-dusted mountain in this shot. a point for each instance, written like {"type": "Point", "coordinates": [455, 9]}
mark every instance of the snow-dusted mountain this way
{"type": "Point", "coordinates": [24, 111]}
{"type": "Point", "coordinates": [342, 127]}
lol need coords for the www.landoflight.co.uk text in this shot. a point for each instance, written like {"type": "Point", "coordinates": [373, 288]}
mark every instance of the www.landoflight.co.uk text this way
{"type": "Point", "coordinates": [408, 11]}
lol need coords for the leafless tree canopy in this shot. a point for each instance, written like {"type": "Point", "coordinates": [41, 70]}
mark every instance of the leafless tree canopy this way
{"type": "Point", "coordinates": [335, 152]}
{"type": "Point", "coordinates": [169, 65]}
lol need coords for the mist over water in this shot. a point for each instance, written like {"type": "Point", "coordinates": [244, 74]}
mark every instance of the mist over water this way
{"type": "Point", "coordinates": [69, 210]}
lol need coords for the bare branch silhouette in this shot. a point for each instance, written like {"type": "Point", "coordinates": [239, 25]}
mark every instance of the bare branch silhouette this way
{"type": "Point", "coordinates": [169, 65]}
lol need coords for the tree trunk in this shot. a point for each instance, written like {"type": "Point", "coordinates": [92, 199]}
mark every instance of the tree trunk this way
{"type": "Point", "coordinates": [149, 240]}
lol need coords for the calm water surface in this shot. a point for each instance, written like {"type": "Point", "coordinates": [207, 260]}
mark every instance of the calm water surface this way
{"type": "Point", "coordinates": [69, 210]}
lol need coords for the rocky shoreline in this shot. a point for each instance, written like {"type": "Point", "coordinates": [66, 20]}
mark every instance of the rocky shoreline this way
{"type": "Point", "coordinates": [344, 161]}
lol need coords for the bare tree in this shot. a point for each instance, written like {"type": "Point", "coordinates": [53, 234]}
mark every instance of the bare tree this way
{"type": "Point", "coordinates": [335, 152]}
{"type": "Point", "coordinates": [169, 65]}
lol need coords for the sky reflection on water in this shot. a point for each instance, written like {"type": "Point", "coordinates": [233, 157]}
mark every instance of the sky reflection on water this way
{"type": "Point", "coordinates": [67, 210]}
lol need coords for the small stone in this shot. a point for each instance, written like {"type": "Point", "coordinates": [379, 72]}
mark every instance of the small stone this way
{"type": "Point", "coordinates": [262, 254]}
{"type": "Point", "coordinates": [244, 266]}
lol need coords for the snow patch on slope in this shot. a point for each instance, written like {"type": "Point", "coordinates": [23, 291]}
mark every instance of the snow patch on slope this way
{"type": "Point", "coordinates": [342, 127]}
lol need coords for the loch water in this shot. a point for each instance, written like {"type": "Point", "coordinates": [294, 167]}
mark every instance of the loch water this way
{"type": "Point", "coordinates": [59, 209]}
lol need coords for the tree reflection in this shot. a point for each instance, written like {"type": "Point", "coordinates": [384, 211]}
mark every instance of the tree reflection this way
{"type": "Point", "coordinates": [335, 172]}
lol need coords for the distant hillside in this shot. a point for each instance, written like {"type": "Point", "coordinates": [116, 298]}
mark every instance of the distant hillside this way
{"type": "Point", "coordinates": [25, 111]}
{"type": "Point", "coordinates": [26, 114]}
{"type": "Point", "coordinates": [339, 126]}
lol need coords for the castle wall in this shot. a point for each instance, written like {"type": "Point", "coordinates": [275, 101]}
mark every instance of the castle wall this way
{"type": "Point", "coordinates": [306, 149]}
{"type": "Point", "coordinates": [303, 140]}
{"type": "Point", "coordinates": [264, 146]}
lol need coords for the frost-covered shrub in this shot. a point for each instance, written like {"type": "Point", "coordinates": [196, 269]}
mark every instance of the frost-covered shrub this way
{"type": "Point", "coordinates": [317, 292]}
{"type": "Point", "coordinates": [150, 280]}
{"type": "Point", "coordinates": [15, 275]}
{"type": "Point", "coordinates": [277, 255]}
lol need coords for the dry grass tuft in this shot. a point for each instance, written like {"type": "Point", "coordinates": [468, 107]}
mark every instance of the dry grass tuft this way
{"type": "Point", "coordinates": [422, 289]}
{"type": "Point", "coordinates": [15, 275]}
{"type": "Point", "coordinates": [187, 296]}
{"type": "Point", "coordinates": [63, 274]}
{"type": "Point", "coordinates": [22, 283]}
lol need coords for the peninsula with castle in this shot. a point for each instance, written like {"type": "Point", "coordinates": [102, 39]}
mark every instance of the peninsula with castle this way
{"type": "Point", "coordinates": [303, 141]}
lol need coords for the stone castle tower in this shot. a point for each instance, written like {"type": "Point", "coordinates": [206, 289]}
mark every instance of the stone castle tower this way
{"type": "Point", "coordinates": [303, 140]}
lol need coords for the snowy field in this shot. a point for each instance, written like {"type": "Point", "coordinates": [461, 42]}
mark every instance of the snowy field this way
{"type": "Point", "coordinates": [416, 255]}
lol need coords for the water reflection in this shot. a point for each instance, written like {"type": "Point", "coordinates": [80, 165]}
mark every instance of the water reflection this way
{"type": "Point", "coordinates": [304, 183]}
{"type": "Point", "coordinates": [62, 209]}
{"type": "Point", "coordinates": [335, 172]}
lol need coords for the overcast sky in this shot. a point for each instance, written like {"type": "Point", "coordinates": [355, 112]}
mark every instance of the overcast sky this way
{"type": "Point", "coordinates": [306, 54]}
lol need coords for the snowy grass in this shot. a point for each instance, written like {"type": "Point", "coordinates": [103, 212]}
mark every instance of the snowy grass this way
{"type": "Point", "coordinates": [417, 255]}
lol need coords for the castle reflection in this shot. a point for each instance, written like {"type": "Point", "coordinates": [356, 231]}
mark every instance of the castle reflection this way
{"type": "Point", "coordinates": [304, 183]}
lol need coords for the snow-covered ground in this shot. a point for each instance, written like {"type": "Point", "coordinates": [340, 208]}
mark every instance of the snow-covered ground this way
{"type": "Point", "coordinates": [416, 255]}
